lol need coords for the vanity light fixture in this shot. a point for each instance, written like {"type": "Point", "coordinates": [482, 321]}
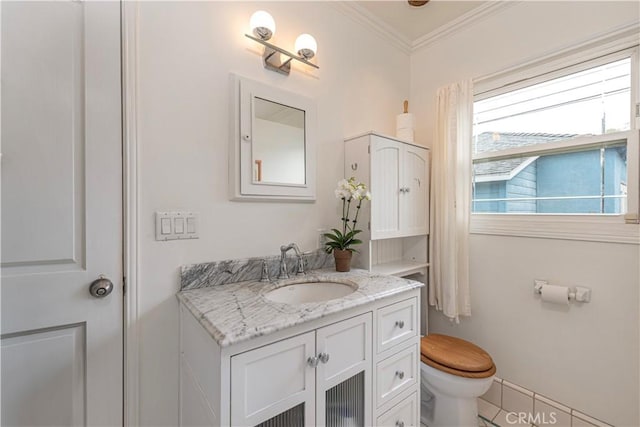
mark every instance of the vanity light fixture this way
{"type": "Point", "coordinates": [263, 27]}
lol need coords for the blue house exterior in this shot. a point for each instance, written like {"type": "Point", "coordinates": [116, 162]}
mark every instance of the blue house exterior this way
{"type": "Point", "coordinates": [594, 172]}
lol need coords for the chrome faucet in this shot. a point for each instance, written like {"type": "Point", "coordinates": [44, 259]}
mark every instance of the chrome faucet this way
{"type": "Point", "coordinates": [283, 260]}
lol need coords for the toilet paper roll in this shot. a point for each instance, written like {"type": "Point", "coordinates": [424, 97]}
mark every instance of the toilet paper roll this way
{"type": "Point", "coordinates": [404, 121]}
{"type": "Point", "coordinates": [555, 294]}
{"type": "Point", "coordinates": [406, 134]}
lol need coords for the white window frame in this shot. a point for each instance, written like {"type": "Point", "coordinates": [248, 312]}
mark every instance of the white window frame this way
{"type": "Point", "coordinates": [588, 227]}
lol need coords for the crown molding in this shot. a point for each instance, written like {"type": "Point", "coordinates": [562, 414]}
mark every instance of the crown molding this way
{"type": "Point", "coordinates": [371, 21]}
{"type": "Point", "coordinates": [362, 16]}
{"type": "Point", "coordinates": [461, 22]}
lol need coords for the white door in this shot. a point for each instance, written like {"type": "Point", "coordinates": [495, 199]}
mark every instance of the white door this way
{"type": "Point", "coordinates": [275, 382]}
{"type": "Point", "coordinates": [414, 218]}
{"type": "Point", "coordinates": [343, 375]}
{"type": "Point", "coordinates": [385, 186]}
{"type": "Point", "coordinates": [61, 214]}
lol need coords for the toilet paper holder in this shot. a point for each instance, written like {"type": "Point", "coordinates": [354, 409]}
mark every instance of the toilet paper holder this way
{"type": "Point", "coordinates": [578, 294]}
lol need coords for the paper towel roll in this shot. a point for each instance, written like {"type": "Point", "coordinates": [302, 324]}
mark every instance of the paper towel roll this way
{"type": "Point", "coordinates": [404, 121]}
{"type": "Point", "coordinates": [555, 294]}
{"type": "Point", "coordinates": [406, 134]}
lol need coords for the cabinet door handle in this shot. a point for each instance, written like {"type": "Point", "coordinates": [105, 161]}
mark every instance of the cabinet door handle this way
{"type": "Point", "coordinates": [399, 423]}
{"type": "Point", "coordinates": [323, 357]}
{"type": "Point", "coordinates": [400, 374]}
{"type": "Point", "coordinates": [402, 189]}
{"type": "Point", "coordinates": [400, 323]}
{"type": "Point", "coordinates": [312, 361]}
{"type": "Point", "coordinates": [407, 189]}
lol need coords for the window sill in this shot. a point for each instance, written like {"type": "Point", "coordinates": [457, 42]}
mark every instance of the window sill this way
{"type": "Point", "coordinates": [592, 228]}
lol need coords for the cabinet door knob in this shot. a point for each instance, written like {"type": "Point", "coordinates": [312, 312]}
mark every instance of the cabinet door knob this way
{"type": "Point", "coordinates": [323, 357]}
{"type": "Point", "coordinates": [312, 361]}
{"type": "Point", "coordinates": [400, 323]}
{"type": "Point", "coordinates": [407, 189]}
{"type": "Point", "coordinates": [402, 189]}
{"type": "Point", "coordinates": [400, 374]}
{"type": "Point", "coordinates": [399, 423]}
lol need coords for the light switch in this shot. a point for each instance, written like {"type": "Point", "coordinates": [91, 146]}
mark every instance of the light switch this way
{"type": "Point", "coordinates": [179, 225]}
{"type": "Point", "coordinates": [176, 225]}
{"type": "Point", "coordinates": [165, 225]}
{"type": "Point", "coordinates": [191, 225]}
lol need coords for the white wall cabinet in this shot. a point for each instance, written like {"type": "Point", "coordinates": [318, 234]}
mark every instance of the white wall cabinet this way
{"type": "Point", "coordinates": [399, 179]}
{"type": "Point", "coordinates": [396, 223]}
{"type": "Point", "coordinates": [354, 368]}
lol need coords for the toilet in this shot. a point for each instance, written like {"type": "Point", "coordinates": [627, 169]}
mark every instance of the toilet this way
{"type": "Point", "coordinates": [454, 373]}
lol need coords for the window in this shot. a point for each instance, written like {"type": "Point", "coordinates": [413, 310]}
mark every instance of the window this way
{"type": "Point", "coordinates": [558, 146]}
{"type": "Point", "coordinates": [556, 151]}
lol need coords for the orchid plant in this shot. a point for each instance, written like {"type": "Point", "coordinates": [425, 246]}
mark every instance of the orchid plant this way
{"type": "Point", "coordinates": [350, 192]}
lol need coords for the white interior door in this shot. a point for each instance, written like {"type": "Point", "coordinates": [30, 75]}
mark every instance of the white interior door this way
{"type": "Point", "coordinates": [61, 213]}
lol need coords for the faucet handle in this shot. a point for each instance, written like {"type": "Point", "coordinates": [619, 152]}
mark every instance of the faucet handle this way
{"type": "Point", "coordinates": [301, 262]}
{"type": "Point", "coordinates": [265, 272]}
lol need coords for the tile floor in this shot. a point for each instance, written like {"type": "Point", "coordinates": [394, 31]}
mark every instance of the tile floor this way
{"type": "Point", "coordinates": [504, 397]}
{"type": "Point", "coordinates": [489, 415]}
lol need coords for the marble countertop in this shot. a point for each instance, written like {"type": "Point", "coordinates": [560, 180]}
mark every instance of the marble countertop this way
{"type": "Point", "coordinates": [237, 312]}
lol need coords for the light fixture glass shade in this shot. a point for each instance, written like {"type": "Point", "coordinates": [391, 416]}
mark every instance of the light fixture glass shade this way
{"type": "Point", "coordinates": [262, 25]}
{"type": "Point", "coordinates": [306, 46]}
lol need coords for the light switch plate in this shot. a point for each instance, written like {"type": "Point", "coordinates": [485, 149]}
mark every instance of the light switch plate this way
{"type": "Point", "coordinates": [178, 225]}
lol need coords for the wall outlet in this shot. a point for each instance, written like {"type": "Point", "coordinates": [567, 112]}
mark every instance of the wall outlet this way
{"type": "Point", "coordinates": [321, 239]}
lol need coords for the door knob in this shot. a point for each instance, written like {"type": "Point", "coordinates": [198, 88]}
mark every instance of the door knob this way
{"type": "Point", "coordinates": [312, 361]}
{"type": "Point", "coordinates": [101, 287]}
{"type": "Point", "coordinates": [323, 357]}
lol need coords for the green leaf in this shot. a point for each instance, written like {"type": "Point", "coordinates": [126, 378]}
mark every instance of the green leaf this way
{"type": "Point", "coordinates": [332, 237]}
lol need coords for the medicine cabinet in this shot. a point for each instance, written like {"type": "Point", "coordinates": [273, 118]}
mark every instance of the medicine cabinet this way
{"type": "Point", "coordinates": [272, 148]}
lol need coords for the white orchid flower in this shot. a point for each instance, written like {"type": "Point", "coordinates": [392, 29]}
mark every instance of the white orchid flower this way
{"type": "Point", "coordinates": [343, 184]}
{"type": "Point", "coordinates": [342, 193]}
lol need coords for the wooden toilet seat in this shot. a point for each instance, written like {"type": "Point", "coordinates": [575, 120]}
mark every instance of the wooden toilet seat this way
{"type": "Point", "coordinates": [456, 356]}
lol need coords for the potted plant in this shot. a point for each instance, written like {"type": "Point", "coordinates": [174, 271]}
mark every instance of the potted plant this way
{"type": "Point", "coordinates": [341, 242]}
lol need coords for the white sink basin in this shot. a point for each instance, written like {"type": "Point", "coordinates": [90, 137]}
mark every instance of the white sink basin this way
{"type": "Point", "coordinates": [300, 293]}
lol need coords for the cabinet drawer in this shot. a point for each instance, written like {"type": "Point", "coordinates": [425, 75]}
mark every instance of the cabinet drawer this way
{"type": "Point", "coordinates": [396, 323]}
{"type": "Point", "coordinates": [404, 414]}
{"type": "Point", "coordinates": [396, 374]}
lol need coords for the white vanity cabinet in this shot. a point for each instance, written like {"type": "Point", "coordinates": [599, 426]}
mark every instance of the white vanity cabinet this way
{"type": "Point", "coordinates": [396, 223]}
{"type": "Point", "coordinates": [298, 377]}
{"type": "Point", "coordinates": [358, 367]}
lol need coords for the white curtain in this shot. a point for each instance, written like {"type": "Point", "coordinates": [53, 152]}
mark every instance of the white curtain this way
{"type": "Point", "coordinates": [451, 201]}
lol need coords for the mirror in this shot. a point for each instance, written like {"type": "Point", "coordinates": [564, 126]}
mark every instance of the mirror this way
{"type": "Point", "coordinates": [272, 151]}
{"type": "Point", "coordinates": [278, 143]}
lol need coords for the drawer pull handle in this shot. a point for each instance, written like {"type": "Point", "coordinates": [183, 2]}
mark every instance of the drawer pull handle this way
{"type": "Point", "coordinates": [400, 374]}
{"type": "Point", "coordinates": [312, 361]}
{"type": "Point", "coordinates": [323, 357]}
{"type": "Point", "coordinates": [400, 323]}
{"type": "Point", "coordinates": [399, 423]}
